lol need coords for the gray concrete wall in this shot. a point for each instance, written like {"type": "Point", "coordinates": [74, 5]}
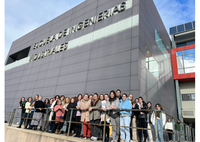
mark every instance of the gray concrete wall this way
{"type": "Point", "coordinates": [111, 62]}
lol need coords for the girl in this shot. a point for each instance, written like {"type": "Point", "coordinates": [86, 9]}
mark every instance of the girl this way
{"type": "Point", "coordinates": [59, 116]}
{"type": "Point", "coordinates": [78, 116]}
{"type": "Point", "coordinates": [47, 105]}
{"type": "Point", "coordinates": [149, 124]}
{"type": "Point", "coordinates": [28, 110]}
{"type": "Point", "coordinates": [125, 118]}
{"type": "Point", "coordinates": [130, 97]}
{"type": "Point", "coordinates": [70, 106]}
{"type": "Point", "coordinates": [22, 106]}
{"type": "Point", "coordinates": [158, 107]}
{"type": "Point", "coordinates": [169, 127]}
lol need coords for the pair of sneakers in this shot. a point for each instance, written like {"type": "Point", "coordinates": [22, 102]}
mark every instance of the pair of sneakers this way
{"type": "Point", "coordinates": [93, 138]}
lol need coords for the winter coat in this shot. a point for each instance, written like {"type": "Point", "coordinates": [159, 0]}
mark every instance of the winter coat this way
{"type": "Point", "coordinates": [114, 103]}
{"type": "Point", "coordinates": [95, 114]}
{"type": "Point", "coordinates": [125, 105]}
{"type": "Point", "coordinates": [163, 118]}
{"type": "Point", "coordinates": [145, 112]}
{"type": "Point", "coordinates": [59, 112]}
{"type": "Point", "coordinates": [85, 113]}
{"type": "Point", "coordinates": [68, 113]}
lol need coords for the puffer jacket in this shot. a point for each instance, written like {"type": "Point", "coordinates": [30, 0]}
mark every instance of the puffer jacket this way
{"type": "Point", "coordinates": [125, 105]}
{"type": "Point", "coordinates": [85, 113]}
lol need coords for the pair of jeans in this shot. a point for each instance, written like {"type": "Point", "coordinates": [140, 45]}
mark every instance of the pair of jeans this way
{"type": "Point", "coordinates": [170, 134]}
{"type": "Point", "coordinates": [22, 118]}
{"type": "Point", "coordinates": [125, 132]}
{"type": "Point", "coordinates": [29, 120]}
{"type": "Point", "coordinates": [95, 128]}
{"type": "Point", "coordinates": [159, 129]}
{"type": "Point", "coordinates": [142, 124]}
{"type": "Point", "coordinates": [78, 126]}
{"type": "Point", "coordinates": [115, 130]}
{"type": "Point", "coordinates": [72, 127]}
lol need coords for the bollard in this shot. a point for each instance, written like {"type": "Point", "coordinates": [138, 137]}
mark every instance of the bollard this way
{"type": "Point", "coordinates": [45, 120]}
{"type": "Point", "coordinates": [156, 127]}
{"type": "Point", "coordinates": [69, 127]}
{"type": "Point", "coordinates": [12, 116]}
{"type": "Point", "coordinates": [161, 127]}
{"type": "Point", "coordinates": [173, 129]}
{"type": "Point", "coordinates": [104, 128]}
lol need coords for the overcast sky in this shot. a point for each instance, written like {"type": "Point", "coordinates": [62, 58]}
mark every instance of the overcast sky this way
{"type": "Point", "coordinates": [23, 16]}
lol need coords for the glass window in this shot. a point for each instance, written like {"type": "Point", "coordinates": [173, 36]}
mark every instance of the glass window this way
{"type": "Point", "coordinates": [173, 30]}
{"type": "Point", "coordinates": [152, 65]}
{"type": "Point", "coordinates": [190, 42]}
{"type": "Point", "coordinates": [189, 51]}
{"type": "Point", "coordinates": [194, 24]}
{"type": "Point", "coordinates": [180, 28]}
{"type": "Point", "coordinates": [180, 71]}
{"type": "Point", "coordinates": [181, 44]}
{"type": "Point", "coordinates": [188, 26]}
{"type": "Point", "coordinates": [189, 60]}
{"type": "Point", "coordinates": [180, 62]}
{"type": "Point", "coordinates": [179, 53]}
{"type": "Point", "coordinates": [188, 97]}
{"type": "Point", "coordinates": [189, 70]}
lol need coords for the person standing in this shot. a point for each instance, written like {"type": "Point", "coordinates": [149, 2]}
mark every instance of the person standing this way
{"type": "Point", "coordinates": [71, 105]}
{"type": "Point", "coordinates": [125, 118]}
{"type": "Point", "coordinates": [62, 98]}
{"type": "Point", "coordinates": [113, 103]}
{"type": "Point", "coordinates": [78, 116]}
{"type": "Point", "coordinates": [149, 124]}
{"type": "Point", "coordinates": [84, 106]}
{"type": "Point", "coordinates": [169, 127]}
{"type": "Point", "coordinates": [153, 116]}
{"type": "Point", "coordinates": [22, 106]}
{"type": "Point", "coordinates": [28, 110]}
{"type": "Point", "coordinates": [47, 105]}
{"type": "Point", "coordinates": [178, 129]}
{"type": "Point", "coordinates": [94, 116]}
{"type": "Point", "coordinates": [142, 119]}
{"type": "Point", "coordinates": [37, 116]}
{"type": "Point", "coordinates": [134, 122]}
{"type": "Point", "coordinates": [130, 97]}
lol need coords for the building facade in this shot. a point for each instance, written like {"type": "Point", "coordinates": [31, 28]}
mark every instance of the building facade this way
{"type": "Point", "coordinates": [97, 46]}
{"type": "Point", "coordinates": [183, 59]}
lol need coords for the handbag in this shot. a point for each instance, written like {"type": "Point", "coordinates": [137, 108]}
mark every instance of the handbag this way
{"type": "Point", "coordinates": [115, 115]}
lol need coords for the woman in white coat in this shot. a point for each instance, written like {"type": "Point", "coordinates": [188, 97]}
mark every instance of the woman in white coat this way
{"type": "Point", "coordinates": [158, 107]}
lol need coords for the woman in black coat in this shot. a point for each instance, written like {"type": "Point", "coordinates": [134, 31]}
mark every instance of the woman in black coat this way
{"type": "Point", "coordinates": [71, 105]}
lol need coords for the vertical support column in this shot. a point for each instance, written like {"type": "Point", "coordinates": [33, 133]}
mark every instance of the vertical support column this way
{"type": "Point", "coordinates": [25, 125]}
{"type": "Point", "coordinates": [161, 127]}
{"type": "Point", "coordinates": [69, 127]}
{"type": "Point", "coordinates": [12, 116]}
{"type": "Point", "coordinates": [45, 120]}
{"type": "Point", "coordinates": [178, 98]}
{"type": "Point", "coordinates": [104, 127]}
{"type": "Point", "coordinates": [183, 131]}
{"type": "Point", "coordinates": [173, 129]}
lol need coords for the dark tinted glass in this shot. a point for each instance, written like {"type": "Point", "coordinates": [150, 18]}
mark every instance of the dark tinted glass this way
{"type": "Point", "coordinates": [194, 24]}
{"type": "Point", "coordinates": [181, 44]}
{"type": "Point", "coordinates": [173, 30]}
{"type": "Point", "coordinates": [191, 42]}
{"type": "Point", "coordinates": [188, 26]}
{"type": "Point", "coordinates": [180, 28]}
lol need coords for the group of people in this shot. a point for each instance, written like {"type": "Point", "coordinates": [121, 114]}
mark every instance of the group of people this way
{"type": "Point", "coordinates": [90, 112]}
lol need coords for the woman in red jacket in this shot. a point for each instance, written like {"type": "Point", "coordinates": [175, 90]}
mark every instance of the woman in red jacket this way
{"type": "Point", "coordinates": [60, 112]}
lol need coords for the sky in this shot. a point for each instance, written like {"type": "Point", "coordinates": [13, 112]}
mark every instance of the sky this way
{"type": "Point", "coordinates": [23, 16]}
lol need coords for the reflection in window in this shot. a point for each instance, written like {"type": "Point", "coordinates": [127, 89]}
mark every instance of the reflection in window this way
{"type": "Point", "coordinates": [186, 61]}
{"type": "Point", "coordinates": [160, 44]}
{"type": "Point", "coordinates": [188, 97]}
{"type": "Point", "coordinates": [186, 43]}
{"type": "Point", "coordinates": [152, 65]}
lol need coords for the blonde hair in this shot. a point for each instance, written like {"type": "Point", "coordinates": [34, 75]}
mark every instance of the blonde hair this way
{"type": "Point", "coordinates": [68, 100]}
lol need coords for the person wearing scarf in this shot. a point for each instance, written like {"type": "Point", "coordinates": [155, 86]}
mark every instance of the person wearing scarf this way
{"type": "Point", "coordinates": [22, 106]}
{"type": "Point", "coordinates": [95, 116]}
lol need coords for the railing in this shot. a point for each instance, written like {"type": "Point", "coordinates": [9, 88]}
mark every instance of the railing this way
{"type": "Point", "coordinates": [187, 133]}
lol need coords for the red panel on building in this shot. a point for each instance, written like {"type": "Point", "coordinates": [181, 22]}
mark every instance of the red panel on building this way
{"type": "Point", "coordinates": [185, 76]}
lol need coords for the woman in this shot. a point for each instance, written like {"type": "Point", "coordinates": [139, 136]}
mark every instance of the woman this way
{"type": "Point", "coordinates": [125, 117]}
{"type": "Point", "coordinates": [32, 110]}
{"type": "Point", "coordinates": [95, 116]}
{"type": "Point", "coordinates": [142, 119]}
{"type": "Point", "coordinates": [60, 112]}
{"type": "Point", "coordinates": [52, 115]}
{"type": "Point", "coordinates": [28, 110]}
{"type": "Point", "coordinates": [91, 96]}
{"type": "Point", "coordinates": [130, 97]}
{"type": "Point", "coordinates": [157, 115]}
{"type": "Point", "coordinates": [78, 116]}
{"type": "Point", "coordinates": [37, 116]}
{"type": "Point", "coordinates": [71, 105]}
{"type": "Point", "coordinates": [134, 122]}
{"type": "Point", "coordinates": [47, 105]}
{"type": "Point", "coordinates": [169, 127]}
{"type": "Point", "coordinates": [66, 103]}
{"type": "Point", "coordinates": [22, 106]}
{"type": "Point", "coordinates": [149, 124]}
{"type": "Point", "coordinates": [113, 103]}
{"type": "Point", "coordinates": [84, 106]}
{"type": "Point", "coordinates": [62, 98]}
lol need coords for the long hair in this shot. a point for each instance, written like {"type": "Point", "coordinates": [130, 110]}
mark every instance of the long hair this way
{"type": "Point", "coordinates": [159, 106]}
{"type": "Point", "coordinates": [100, 97]}
{"type": "Point", "coordinates": [45, 101]}
{"type": "Point", "coordinates": [112, 99]}
{"type": "Point", "coordinates": [132, 99]}
{"type": "Point", "coordinates": [68, 99]}
{"type": "Point", "coordinates": [97, 100]}
{"type": "Point", "coordinates": [150, 103]}
{"type": "Point", "coordinates": [29, 98]}
{"type": "Point", "coordinates": [21, 100]}
{"type": "Point", "coordinates": [78, 96]}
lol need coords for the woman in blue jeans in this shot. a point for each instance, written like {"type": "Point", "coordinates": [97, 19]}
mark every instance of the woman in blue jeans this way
{"type": "Point", "coordinates": [125, 117]}
{"type": "Point", "coordinates": [159, 124]}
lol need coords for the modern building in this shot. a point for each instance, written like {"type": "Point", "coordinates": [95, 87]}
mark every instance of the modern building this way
{"type": "Point", "coordinates": [183, 60]}
{"type": "Point", "coordinates": [97, 46]}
